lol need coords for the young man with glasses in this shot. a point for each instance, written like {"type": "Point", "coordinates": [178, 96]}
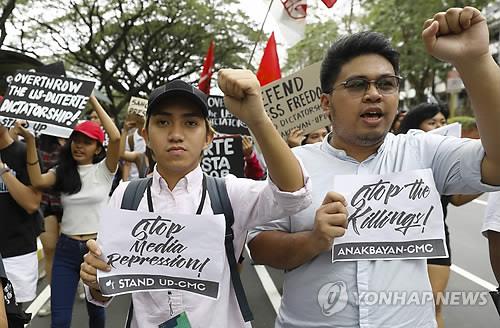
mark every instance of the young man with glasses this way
{"type": "Point", "coordinates": [359, 77]}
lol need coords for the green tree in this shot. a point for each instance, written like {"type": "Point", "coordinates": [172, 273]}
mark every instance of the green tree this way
{"type": "Point", "coordinates": [133, 46]}
{"type": "Point", "coordinates": [311, 49]}
{"type": "Point", "coordinates": [402, 21]}
{"type": "Point", "coordinates": [7, 9]}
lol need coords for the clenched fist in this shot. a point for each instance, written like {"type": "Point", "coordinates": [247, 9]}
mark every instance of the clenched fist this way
{"type": "Point", "coordinates": [330, 221]}
{"type": "Point", "coordinates": [242, 95]}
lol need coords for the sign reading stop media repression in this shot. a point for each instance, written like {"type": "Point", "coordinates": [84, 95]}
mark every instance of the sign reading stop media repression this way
{"type": "Point", "coordinates": [224, 156]}
{"type": "Point", "coordinates": [160, 251]}
{"type": "Point", "coordinates": [294, 102]}
{"type": "Point", "coordinates": [50, 104]}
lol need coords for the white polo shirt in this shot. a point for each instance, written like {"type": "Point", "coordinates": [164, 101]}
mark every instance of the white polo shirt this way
{"type": "Point", "coordinates": [309, 291]}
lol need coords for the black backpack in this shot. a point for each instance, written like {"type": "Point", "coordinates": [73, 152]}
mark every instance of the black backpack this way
{"type": "Point", "coordinates": [221, 204]}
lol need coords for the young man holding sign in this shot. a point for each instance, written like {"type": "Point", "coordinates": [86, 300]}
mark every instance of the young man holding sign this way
{"type": "Point", "coordinates": [177, 131]}
{"type": "Point", "coordinates": [360, 81]}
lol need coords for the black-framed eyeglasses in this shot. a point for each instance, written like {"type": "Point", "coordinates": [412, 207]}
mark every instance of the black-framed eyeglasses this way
{"type": "Point", "coordinates": [386, 85]}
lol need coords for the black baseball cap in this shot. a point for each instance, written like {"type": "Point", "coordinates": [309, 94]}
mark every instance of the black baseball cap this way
{"type": "Point", "coordinates": [177, 88]}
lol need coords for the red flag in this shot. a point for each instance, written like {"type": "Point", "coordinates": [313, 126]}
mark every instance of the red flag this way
{"type": "Point", "coordinates": [329, 3]}
{"type": "Point", "coordinates": [269, 68]}
{"type": "Point", "coordinates": [208, 64]}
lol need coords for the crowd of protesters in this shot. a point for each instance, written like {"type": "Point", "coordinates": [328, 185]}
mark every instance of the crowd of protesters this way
{"type": "Point", "coordinates": [54, 188]}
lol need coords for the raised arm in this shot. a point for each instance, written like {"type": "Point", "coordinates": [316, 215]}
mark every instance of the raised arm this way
{"type": "Point", "coordinates": [113, 151]}
{"type": "Point", "coordinates": [37, 179]}
{"type": "Point", "coordinates": [243, 99]}
{"type": "Point", "coordinates": [290, 250]}
{"type": "Point", "coordinates": [25, 196]}
{"type": "Point", "coordinates": [460, 37]}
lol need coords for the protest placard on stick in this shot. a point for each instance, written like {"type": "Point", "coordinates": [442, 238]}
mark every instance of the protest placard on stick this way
{"type": "Point", "coordinates": [294, 102]}
{"type": "Point", "coordinates": [137, 106]}
{"type": "Point", "coordinates": [50, 104]}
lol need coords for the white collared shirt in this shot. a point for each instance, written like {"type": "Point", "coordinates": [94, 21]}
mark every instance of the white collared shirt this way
{"type": "Point", "coordinates": [309, 291]}
{"type": "Point", "coordinates": [253, 203]}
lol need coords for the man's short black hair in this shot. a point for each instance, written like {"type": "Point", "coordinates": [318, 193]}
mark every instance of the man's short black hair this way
{"type": "Point", "coordinates": [349, 47]}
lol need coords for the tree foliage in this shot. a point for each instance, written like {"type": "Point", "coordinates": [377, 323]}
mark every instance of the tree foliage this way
{"type": "Point", "coordinates": [7, 9]}
{"type": "Point", "coordinates": [133, 46]}
{"type": "Point", "coordinates": [311, 49]}
{"type": "Point", "coordinates": [402, 21]}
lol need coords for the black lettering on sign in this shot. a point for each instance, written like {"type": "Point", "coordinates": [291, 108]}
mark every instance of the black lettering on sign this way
{"type": "Point", "coordinates": [365, 217]}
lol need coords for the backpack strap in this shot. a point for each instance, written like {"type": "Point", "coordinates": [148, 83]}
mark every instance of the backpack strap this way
{"type": "Point", "coordinates": [130, 201]}
{"type": "Point", "coordinates": [134, 193]}
{"type": "Point", "coordinates": [222, 205]}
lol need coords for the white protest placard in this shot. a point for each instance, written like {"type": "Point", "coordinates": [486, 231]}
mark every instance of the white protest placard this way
{"type": "Point", "coordinates": [454, 130]}
{"type": "Point", "coordinates": [159, 251]}
{"type": "Point", "coordinates": [50, 104]}
{"type": "Point", "coordinates": [138, 106]}
{"type": "Point", "coordinates": [294, 102]}
{"type": "Point", "coordinates": [392, 216]}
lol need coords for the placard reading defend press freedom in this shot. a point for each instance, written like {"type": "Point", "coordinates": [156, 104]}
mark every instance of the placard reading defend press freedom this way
{"type": "Point", "coordinates": [50, 104]}
{"type": "Point", "coordinates": [294, 102]}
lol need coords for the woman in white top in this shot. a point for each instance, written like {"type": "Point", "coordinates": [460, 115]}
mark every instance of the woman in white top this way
{"type": "Point", "coordinates": [84, 179]}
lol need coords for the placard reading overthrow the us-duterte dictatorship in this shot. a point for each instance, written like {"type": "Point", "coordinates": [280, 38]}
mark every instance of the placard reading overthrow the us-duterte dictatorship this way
{"type": "Point", "coordinates": [392, 216]}
{"type": "Point", "coordinates": [50, 104]}
{"type": "Point", "coordinates": [161, 251]}
{"type": "Point", "coordinates": [294, 102]}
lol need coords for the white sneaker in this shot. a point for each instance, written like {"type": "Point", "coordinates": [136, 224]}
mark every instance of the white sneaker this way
{"type": "Point", "coordinates": [45, 310]}
{"type": "Point", "coordinates": [81, 291]}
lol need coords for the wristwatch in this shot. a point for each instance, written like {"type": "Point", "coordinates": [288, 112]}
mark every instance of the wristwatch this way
{"type": "Point", "coordinates": [4, 169]}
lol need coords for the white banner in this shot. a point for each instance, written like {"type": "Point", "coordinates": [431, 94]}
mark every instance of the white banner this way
{"type": "Point", "coordinates": [152, 251]}
{"type": "Point", "coordinates": [392, 216]}
{"type": "Point", "coordinates": [294, 102]}
{"type": "Point", "coordinates": [138, 106]}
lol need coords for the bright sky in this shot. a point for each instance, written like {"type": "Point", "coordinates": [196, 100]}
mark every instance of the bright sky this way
{"type": "Point", "coordinates": [256, 9]}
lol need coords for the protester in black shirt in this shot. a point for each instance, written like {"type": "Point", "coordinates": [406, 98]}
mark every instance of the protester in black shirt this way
{"type": "Point", "coordinates": [19, 227]}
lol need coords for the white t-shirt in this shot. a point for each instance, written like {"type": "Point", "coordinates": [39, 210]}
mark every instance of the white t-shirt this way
{"type": "Point", "coordinates": [140, 147]}
{"type": "Point", "coordinates": [492, 214]}
{"type": "Point", "coordinates": [81, 210]}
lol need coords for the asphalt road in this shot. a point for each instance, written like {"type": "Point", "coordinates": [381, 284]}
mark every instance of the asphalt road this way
{"type": "Point", "coordinates": [471, 272]}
